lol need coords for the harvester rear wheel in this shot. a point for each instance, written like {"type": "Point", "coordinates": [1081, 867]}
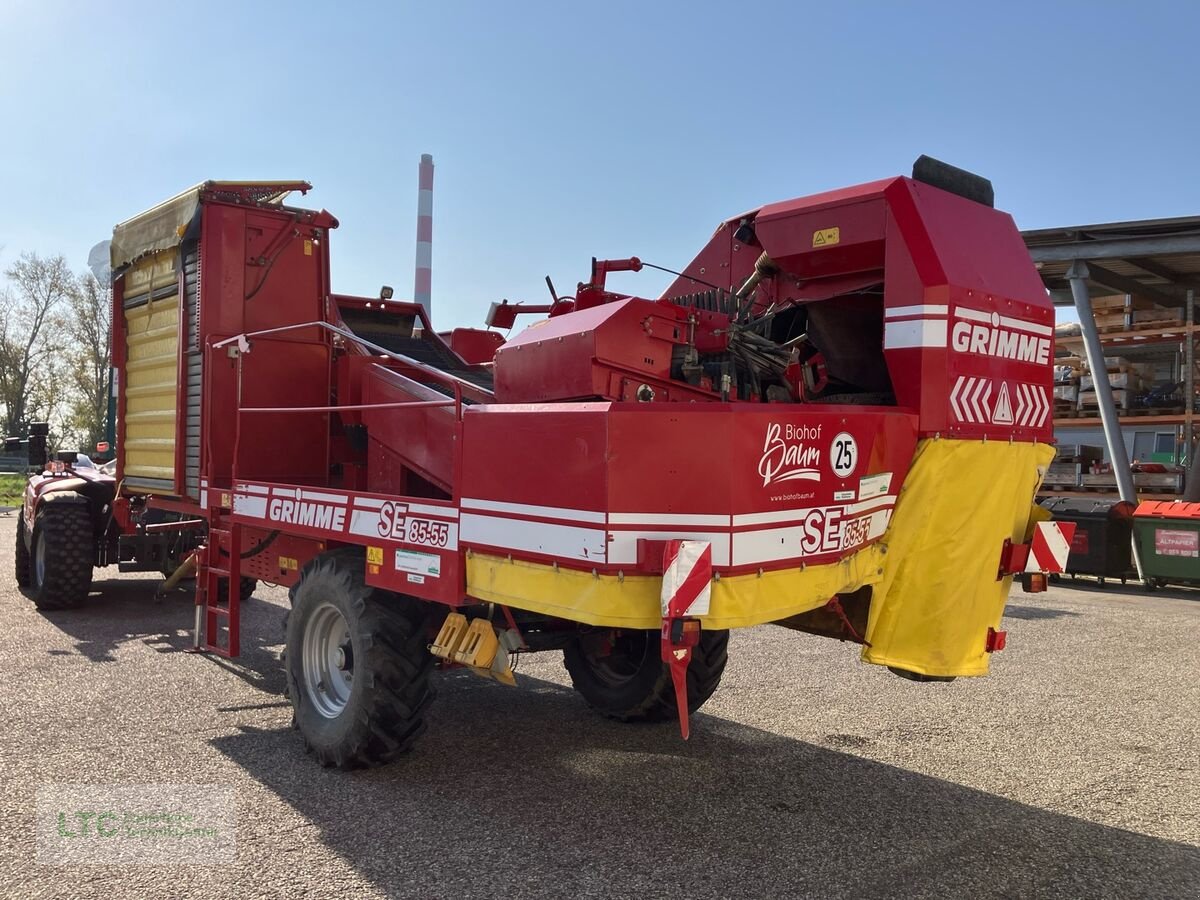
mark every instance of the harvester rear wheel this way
{"type": "Point", "coordinates": [62, 556]}
{"type": "Point", "coordinates": [247, 587]}
{"type": "Point", "coordinates": [620, 673]}
{"type": "Point", "coordinates": [22, 559]}
{"type": "Point", "coordinates": [358, 665]}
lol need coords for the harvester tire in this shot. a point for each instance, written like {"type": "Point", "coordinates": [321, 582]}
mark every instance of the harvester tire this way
{"type": "Point", "coordinates": [248, 587]}
{"type": "Point", "coordinates": [358, 665]}
{"type": "Point", "coordinates": [21, 556]}
{"type": "Point", "coordinates": [621, 674]}
{"type": "Point", "coordinates": [62, 556]}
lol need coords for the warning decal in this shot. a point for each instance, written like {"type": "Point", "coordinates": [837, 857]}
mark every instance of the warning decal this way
{"type": "Point", "coordinates": [1003, 414]}
{"type": "Point", "coordinates": [826, 237]}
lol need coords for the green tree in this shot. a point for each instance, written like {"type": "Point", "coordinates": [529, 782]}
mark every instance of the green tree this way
{"type": "Point", "coordinates": [31, 333]}
{"type": "Point", "coordinates": [88, 326]}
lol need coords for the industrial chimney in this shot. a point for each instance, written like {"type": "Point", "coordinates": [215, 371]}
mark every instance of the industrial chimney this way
{"type": "Point", "coordinates": [424, 279]}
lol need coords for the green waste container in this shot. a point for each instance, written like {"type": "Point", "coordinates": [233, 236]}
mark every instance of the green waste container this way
{"type": "Point", "coordinates": [1168, 539]}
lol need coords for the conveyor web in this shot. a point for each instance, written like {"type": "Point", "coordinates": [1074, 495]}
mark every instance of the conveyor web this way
{"type": "Point", "coordinates": [395, 333]}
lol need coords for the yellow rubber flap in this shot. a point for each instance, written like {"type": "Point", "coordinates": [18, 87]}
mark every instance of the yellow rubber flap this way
{"type": "Point", "coordinates": [939, 595]}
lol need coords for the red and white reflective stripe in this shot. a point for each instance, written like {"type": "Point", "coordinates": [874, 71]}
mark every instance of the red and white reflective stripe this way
{"type": "Point", "coordinates": [687, 578]}
{"type": "Point", "coordinates": [1050, 547]}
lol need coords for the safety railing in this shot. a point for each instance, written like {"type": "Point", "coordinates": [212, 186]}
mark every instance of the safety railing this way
{"type": "Point", "coordinates": [455, 384]}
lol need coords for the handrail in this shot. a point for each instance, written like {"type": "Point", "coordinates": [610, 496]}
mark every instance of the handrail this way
{"type": "Point", "coordinates": [452, 382]}
{"type": "Point", "coordinates": [406, 404]}
{"type": "Point", "coordinates": [438, 374]}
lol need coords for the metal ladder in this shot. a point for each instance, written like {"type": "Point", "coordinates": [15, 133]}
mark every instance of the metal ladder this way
{"type": "Point", "coordinates": [219, 562]}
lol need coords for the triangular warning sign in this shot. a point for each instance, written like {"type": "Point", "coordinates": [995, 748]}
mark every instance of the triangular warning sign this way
{"type": "Point", "coordinates": [818, 239]}
{"type": "Point", "coordinates": [1002, 414]}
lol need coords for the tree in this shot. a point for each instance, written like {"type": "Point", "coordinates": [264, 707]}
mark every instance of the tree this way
{"type": "Point", "coordinates": [88, 327]}
{"type": "Point", "coordinates": [30, 321]}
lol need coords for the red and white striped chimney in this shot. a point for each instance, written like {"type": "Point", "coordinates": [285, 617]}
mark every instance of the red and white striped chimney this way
{"type": "Point", "coordinates": [424, 282]}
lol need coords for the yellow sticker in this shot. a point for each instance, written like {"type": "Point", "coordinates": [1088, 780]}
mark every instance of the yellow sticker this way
{"type": "Point", "coordinates": [288, 562]}
{"type": "Point", "coordinates": [226, 501]}
{"type": "Point", "coordinates": [826, 237]}
{"type": "Point", "coordinates": [308, 248]}
{"type": "Point", "coordinates": [375, 555]}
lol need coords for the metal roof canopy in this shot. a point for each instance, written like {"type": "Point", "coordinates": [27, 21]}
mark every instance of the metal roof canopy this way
{"type": "Point", "coordinates": [1158, 259]}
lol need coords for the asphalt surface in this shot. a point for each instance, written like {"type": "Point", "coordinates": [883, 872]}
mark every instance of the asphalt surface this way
{"type": "Point", "coordinates": [1073, 771]}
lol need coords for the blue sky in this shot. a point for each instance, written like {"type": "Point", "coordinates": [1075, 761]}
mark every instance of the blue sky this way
{"type": "Point", "coordinates": [566, 130]}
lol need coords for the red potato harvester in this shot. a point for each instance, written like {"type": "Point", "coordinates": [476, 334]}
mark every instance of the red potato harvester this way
{"type": "Point", "coordinates": [835, 420]}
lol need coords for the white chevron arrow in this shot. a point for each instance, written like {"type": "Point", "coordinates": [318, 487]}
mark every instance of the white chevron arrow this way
{"type": "Point", "coordinates": [976, 396]}
{"type": "Point", "coordinates": [1045, 403]}
{"type": "Point", "coordinates": [958, 385]}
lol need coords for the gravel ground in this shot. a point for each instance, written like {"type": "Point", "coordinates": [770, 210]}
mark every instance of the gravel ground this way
{"type": "Point", "coordinates": [1073, 771]}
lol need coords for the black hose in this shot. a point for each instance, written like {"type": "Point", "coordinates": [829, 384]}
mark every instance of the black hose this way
{"type": "Point", "coordinates": [259, 548]}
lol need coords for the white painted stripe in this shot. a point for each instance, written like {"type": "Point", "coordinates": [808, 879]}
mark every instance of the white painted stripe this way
{"type": "Point", "coordinates": [364, 523]}
{"type": "Point", "coordinates": [771, 518]}
{"type": "Point", "coordinates": [369, 502]}
{"type": "Point", "coordinates": [254, 489]}
{"type": "Point", "coordinates": [659, 519]}
{"type": "Point", "coordinates": [855, 509]}
{"type": "Point", "coordinates": [542, 512]}
{"type": "Point", "coordinates": [204, 497]}
{"type": "Point", "coordinates": [879, 523]}
{"type": "Point", "coordinates": [1022, 325]}
{"type": "Point", "coordinates": [308, 494]}
{"type": "Point", "coordinates": [975, 315]}
{"type": "Point", "coordinates": [438, 512]}
{"type": "Point", "coordinates": [914, 333]}
{"type": "Point", "coordinates": [929, 309]}
{"type": "Point", "coordinates": [563, 541]}
{"type": "Point", "coordinates": [622, 549]}
{"type": "Point", "coordinates": [782, 516]}
{"type": "Point", "coordinates": [247, 505]}
{"type": "Point", "coordinates": [767, 545]}
{"type": "Point", "coordinates": [972, 315]}
{"type": "Point", "coordinates": [289, 493]}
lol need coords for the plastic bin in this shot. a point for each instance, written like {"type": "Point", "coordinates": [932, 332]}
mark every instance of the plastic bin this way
{"type": "Point", "coordinates": [1103, 535]}
{"type": "Point", "coordinates": [1168, 536]}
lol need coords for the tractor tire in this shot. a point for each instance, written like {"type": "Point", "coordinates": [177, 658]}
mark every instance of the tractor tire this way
{"type": "Point", "coordinates": [621, 675]}
{"type": "Point", "coordinates": [62, 556]}
{"type": "Point", "coordinates": [248, 587]}
{"type": "Point", "coordinates": [22, 565]}
{"type": "Point", "coordinates": [358, 665]}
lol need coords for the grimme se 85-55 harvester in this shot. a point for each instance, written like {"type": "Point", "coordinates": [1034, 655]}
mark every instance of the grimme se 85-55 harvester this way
{"type": "Point", "coordinates": [834, 420]}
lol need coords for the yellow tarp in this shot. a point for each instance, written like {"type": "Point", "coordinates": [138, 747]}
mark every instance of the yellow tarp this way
{"type": "Point", "coordinates": [939, 595]}
{"type": "Point", "coordinates": [634, 601]}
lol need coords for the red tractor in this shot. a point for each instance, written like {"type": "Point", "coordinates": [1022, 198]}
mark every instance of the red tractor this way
{"type": "Point", "coordinates": [835, 420]}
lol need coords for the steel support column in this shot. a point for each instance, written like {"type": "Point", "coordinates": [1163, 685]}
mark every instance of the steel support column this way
{"type": "Point", "coordinates": [1191, 485]}
{"type": "Point", "coordinates": [1118, 455]}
